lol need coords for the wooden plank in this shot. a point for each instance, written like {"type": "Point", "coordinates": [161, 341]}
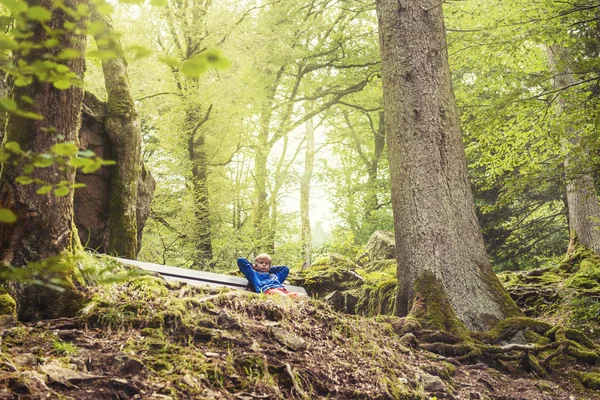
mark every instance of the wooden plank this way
{"type": "Point", "coordinates": [196, 277]}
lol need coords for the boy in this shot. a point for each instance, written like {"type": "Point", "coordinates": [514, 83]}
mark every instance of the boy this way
{"type": "Point", "coordinates": [262, 277]}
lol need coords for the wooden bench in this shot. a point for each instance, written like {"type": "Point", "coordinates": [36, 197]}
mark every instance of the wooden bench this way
{"type": "Point", "coordinates": [199, 278]}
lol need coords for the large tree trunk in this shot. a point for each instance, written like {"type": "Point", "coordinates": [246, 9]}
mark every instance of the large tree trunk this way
{"type": "Point", "coordinates": [442, 264]}
{"type": "Point", "coordinates": [309, 163]}
{"type": "Point", "coordinates": [582, 201]}
{"type": "Point", "coordinates": [123, 128]}
{"type": "Point", "coordinates": [45, 222]}
{"type": "Point", "coordinates": [45, 226]}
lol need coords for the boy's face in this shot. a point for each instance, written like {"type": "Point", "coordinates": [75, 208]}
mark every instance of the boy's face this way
{"type": "Point", "coordinates": [262, 265]}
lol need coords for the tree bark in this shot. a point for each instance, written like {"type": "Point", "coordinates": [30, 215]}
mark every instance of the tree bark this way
{"type": "Point", "coordinates": [305, 183]}
{"type": "Point", "coordinates": [442, 264]}
{"type": "Point", "coordinates": [45, 222]}
{"type": "Point", "coordinates": [582, 201]}
{"type": "Point", "coordinates": [123, 127]}
{"type": "Point", "coordinates": [197, 152]}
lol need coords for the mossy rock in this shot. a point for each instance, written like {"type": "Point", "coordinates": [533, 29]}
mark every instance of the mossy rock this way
{"type": "Point", "coordinates": [8, 305]}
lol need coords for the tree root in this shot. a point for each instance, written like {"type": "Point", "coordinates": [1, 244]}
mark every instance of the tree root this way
{"type": "Point", "coordinates": [487, 347]}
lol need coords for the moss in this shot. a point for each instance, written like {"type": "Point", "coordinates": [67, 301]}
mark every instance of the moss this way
{"type": "Point", "coordinates": [509, 327]}
{"type": "Point", "coordinates": [508, 307]}
{"type": "Point", "coordinates": [432, 307]}
{"type": "Point", "coordinates": [589, 380]}
{"type": "Point", "coordinates": [398, 389]}
{"type": "Point", "coordinates": [8, 305]}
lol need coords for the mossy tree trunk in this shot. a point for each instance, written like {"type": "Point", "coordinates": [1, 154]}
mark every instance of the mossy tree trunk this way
{"type": "Point", "coordinates": [305, 183]}
{"type": "Point", "coordinates": [197, 154]}
{"type": "Point", "coordinates": [45, 222]}
{"type": "Point", "coordinates": [123, 127]}
{"type": "Point", "coordinates": [439, 245]}
{"type": "Point", "coordinates": [185, 21]}
{"type": "Point", "coordinates": [582, 201]}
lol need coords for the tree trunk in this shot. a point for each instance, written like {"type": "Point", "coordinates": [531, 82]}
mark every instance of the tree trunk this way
{"type": "Point", "coordinates": [443, 270]}
{"type": "Point", "coordinates": [45, 222]}
{"type": "Point", "coordinates": [371, 202]}
{"type": "Point", "coordinates": [309, 163]}
{"type": "Point", "coordinates": [197, 152]}
{"type": "Point", "coordinates": [45, 226]}
{"type": "Point", "coordinates": [123, 128]}
{"type": "Point", "coordinates": [582, 201]}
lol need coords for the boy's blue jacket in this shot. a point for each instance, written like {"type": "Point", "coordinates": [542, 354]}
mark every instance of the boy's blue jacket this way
{"type": "Point", "coordinates": [261, 281]}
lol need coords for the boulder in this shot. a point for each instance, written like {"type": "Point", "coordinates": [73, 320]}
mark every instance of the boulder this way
{"type": "Point", "coordinates": [92, 201]}
{"type": "Point", "coordinates": [381, 246]}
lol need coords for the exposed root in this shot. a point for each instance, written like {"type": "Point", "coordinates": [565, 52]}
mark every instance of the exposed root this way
{"type": "Point", "coordinates": [485, 347]}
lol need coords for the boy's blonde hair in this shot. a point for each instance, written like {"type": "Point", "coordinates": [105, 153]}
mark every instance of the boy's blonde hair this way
{"type": "Point", "coordinates": [263, 256]}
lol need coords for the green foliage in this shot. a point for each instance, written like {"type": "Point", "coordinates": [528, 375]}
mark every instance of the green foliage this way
{"type": "Point", "coordinates": [64, 348]}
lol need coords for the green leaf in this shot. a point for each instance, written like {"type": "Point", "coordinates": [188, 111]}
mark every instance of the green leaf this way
{"type": "Point", "coordinates": [28, 169]}
{"type": "Point", "coordinates": [158, 3]}
{"type": "Point", "coordinates": [80, 162]}
{"type": "Point", "coordinates": [8, 104]}
{"type": "Point", "coordinates": [38, 13]}
{"type": "Point", "coordinates": [170, 61]}
{"type": "Point", "coordinates": [62, 84]}
{"type": "Point", "coordinates": [13, 146]}
{"type": "Point", "coordinates": [23, 81]}
{"type": "Point", "coordinates": [107, 162]}
{"type": "Point", "coordinates": [24, 180]}
{"type": "Point", "coordinates": [51, 43]}
{"type": "Point", "coordinates": [27, 99]}
{"type": "Point", "coordinates": [70, 25]}
{"type": "Point", "coordinates": [7, 43]}
{"type": "Point", "coordinates": [44, 189]}
{"type": "Point", "coordinates": [138, 52]}
{"type": "Point", "coordinates": [15, 6]}
{"type": "Point", "coordinates": [216, 59]}
{"type": "Point", "coordinates": [194, 67]}
{"type": "Point", "coordinates": [29, 114]}
{"type": "Point", "coordinates": [102, 54]}
{"type": "Point", "coordinates": [78, 185]}
{"type": "Point", "coordinates": [68, 54]}
{"type": "Point", "coordinates": [61, 191]}
{"type": "Point", "coordinates": [4, 157]}
{"type": "Point", "coordinates": [43, 161]}
{"type": "Point", "coordinates": [7, 216]}
{"type": "Point", "coordinates": [86, 153]}
{"type": "Point", "coordinates": [66, 149]}
{"type": "Point", "coordinates": [83, 10]}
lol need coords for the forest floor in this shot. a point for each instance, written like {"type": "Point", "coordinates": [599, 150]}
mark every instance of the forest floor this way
{"type": "Point", "coordinates": [151, 339]}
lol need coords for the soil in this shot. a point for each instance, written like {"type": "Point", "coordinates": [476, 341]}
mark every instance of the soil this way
{"type": "Point", "coordinates": [168, 340]}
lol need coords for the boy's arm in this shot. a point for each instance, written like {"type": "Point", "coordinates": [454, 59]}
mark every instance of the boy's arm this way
{"type": "Point", "coordinates": [280, 272]}
{"type": "Point", "coordinates": [246, 267]}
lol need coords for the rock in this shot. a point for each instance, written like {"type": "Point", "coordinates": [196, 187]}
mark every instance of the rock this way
{"type": "Point", "coordinates": [189, 380]}
{"type": "Point", "coordinates": [127, 389]}
{"type": "Point", "coordinates": [288, 339]}
{"type": "Point", "coordinates": [336, 300]}
{"type": "Point", "coordinates": [68, 334]}
{"type": "Point", "coordinates": [432, 383]}
{"type": "Point", "coordinates": [409, 340]}
{"type": "Point", "coordinates": [342, 301]}
{"type": "Point", "coordinates": [36, 384]}
{"type": "Point", "coordinates": [226, 321]}
{"type": "Point", "coordinates": [66, 376]}
{"type": "Point", "coordinates": [381, 246]}
{"type": "Point", "coordinates": [129, 366]}
{"type": "Point", "coordinates": [25, 359]}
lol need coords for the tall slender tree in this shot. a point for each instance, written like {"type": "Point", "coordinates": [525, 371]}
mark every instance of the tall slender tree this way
{"type": "Point", "coordinates": [442, 265]}
{"type": "Point", "coordinates": [582, 200]}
